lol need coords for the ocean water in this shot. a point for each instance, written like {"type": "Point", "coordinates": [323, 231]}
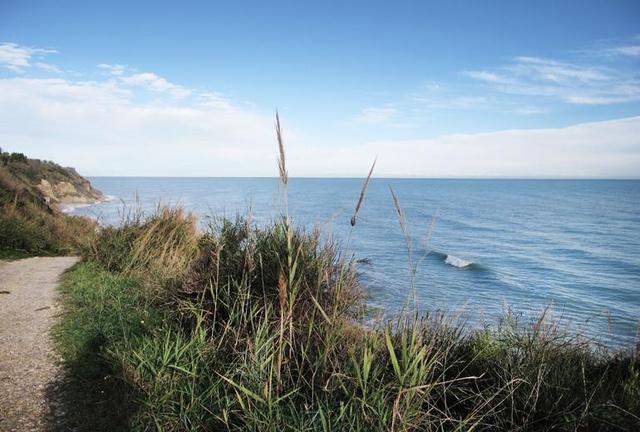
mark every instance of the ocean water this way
{"type": "Point", "coordinates": [572, 247]}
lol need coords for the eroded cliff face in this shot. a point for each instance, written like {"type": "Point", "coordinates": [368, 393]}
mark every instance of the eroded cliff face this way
{"type": "Point", "coordinates": [31, 217]}
{"type": "Point", "coordinates": [64, 192]}
{"type": "Point", "coordinates": [47, 181]}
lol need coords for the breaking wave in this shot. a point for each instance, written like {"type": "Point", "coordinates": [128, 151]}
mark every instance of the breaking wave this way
{"type": "Point", "coordinates": [457, 262]}
{"type": "Point", "coordinates": [454, 261]}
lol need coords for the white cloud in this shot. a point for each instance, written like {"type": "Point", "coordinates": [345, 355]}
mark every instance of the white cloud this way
{"type": "Point", "coordinates": [49, 68]}
{"type": "Point", "coordinates": [485, 76]}
{"type": "Point", "coordinates": [155, 83]}
{"type": "Point", "coordinates": [16, 58]}
{"type": "Point", "coordinates": [376, 115]}
{"type": "Point", "coordinates": [95, 127]}
{"type": "Point", "coordinates": [214, 100]}
{"type": "Point", "coordinates": [531, 111]}
{"type": "Point", "coordinates": [536, 68]}
{"type": "Point", "coordinates": [601, 149]}
{"type": "Point", "coordinates": [582, 84]}
{"type": "Point", "coordinates": [612, 53]}
{"type": "Point", "coordinates": [102, 128]}
{"type": "Point", "coordinates": [441, 97]}
{"type": "Point", "coordinates": [115, 69]}
{"type": "Point", "coordinates": [630, 50]}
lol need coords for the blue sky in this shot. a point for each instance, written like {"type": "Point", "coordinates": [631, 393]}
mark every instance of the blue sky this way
{"type": "Point", "coordinates": [434, 89]}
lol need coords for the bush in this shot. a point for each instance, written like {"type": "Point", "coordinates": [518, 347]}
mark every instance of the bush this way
{"type": "Point", "coordinates": [157, 248]}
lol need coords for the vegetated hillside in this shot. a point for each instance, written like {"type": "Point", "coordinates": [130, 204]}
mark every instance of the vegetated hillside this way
{"type": "Point", "coordinates": [31, 222]}
{"type": "Point", "coordinates": [56, 184]}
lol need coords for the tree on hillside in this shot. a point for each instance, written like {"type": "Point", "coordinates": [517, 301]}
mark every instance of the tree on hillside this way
{"type": "Point", "coordinates": [18, 157]}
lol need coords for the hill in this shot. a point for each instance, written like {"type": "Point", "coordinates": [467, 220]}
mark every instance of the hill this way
{"type": "Point", "coordinates": [31, 220]}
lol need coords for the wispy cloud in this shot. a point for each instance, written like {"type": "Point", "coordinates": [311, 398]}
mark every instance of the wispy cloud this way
{"type": "Point", "coordinates": [148, 80]}
{"type": "Point", "coordinates": [17, 58]}
{"type": "Point", "coordinates": [49, 68]}
{"type": "Point", "coordinates": [531, 111]}
{"type": "Point", "coordinates": [114, 69]}
{"type": "Point", "coordinates": [443, 100]}
{"type": "Point", "coordinates": [214, 100]}
{"type": "Point", "coordinates": [374, 115]}
{"type": "Point", "coordinates": [155, 83]}
{"type": "Point", "coordinates": [546, 70]}
{"type": "Point", "coordinates": [573, 83]}
{"type": "Point", "coordinates": [486, 76]}
{"type": "Point", "coordinates": [629, 50]}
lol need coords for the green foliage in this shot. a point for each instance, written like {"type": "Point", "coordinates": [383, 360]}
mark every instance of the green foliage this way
{"type": "Point", "coordinates": [6, 158]}
{"type": "Point", "coordinates": [103, 312]}
{"type": "Point", "coordinates": [257, 260]}
{"type": "Point", "coordinates": [158, 248]}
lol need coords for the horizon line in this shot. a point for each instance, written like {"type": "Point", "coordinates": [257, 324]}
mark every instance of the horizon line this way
{"type": "Point", "coordinates": [373, 177]}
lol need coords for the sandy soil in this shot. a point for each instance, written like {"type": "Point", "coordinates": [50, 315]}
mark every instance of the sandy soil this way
{"type": "Point", "coordinates": [27, 363]}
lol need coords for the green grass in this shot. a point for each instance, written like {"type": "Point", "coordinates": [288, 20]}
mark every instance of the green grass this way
{"type": "Point", "coordinates": [103, 312]}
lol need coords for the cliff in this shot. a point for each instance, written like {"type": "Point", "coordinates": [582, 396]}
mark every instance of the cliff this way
{"type": "Point", "coordinates": [31, 221]}
{"type": "Point", "coordinates": [52, 183]}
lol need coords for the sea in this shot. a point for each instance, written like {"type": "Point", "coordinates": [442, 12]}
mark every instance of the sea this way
{"type": "Point", "coordinates": [473, 250]}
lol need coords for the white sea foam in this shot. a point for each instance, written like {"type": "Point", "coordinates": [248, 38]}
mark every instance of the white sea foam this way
{"type": "Point", "coordinates": [70, 208]}
{"type": "Point", "coordinates": [457, 262]}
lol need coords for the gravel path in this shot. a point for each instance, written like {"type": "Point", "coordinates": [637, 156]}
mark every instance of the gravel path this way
{"type": "Point", "coordinates": [27, 310]}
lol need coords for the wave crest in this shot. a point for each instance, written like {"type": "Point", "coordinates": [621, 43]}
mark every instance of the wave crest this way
{"type": "Point", "coordinates": [457, 262]}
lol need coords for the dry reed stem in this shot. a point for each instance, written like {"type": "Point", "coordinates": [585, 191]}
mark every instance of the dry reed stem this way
{"type": "Point", "coordinates": [282, 288]}
{"type": "Point", "coordinates": [401, 216]}
{"type": "Point", "coordinates": [362, 193]}
{"type": "Point", "coordinates": [284, 177]}
{"type": "Point", "coordinates": [431, 227]}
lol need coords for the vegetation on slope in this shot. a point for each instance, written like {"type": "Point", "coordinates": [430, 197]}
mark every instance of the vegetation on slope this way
{"type": "Point", "coordinates": [30, 223]}
{"type": "Point", "coordinates": [260, 332]}
{"type": "Point", "coordinates": [260, 328]}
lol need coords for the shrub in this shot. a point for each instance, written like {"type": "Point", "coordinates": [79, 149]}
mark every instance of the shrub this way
{"type": "Point", "coordinates": [157, 248]}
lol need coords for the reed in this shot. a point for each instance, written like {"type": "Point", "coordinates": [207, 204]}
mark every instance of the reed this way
{"type": "Point", "coordinates": [282, 167]}
{"type": "Point", "coordinates": [363, 193]}
{"type": "Point", "coordinates": [157, 248]}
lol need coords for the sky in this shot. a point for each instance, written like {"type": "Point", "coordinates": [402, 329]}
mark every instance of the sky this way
{"type": "Point", "coordinates": [435, 89]}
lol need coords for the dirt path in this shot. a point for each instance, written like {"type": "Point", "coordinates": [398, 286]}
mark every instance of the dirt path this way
{"type": "Point", "coordinates": [27, 310]}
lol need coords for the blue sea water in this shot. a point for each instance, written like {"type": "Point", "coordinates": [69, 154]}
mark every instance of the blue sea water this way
{"type": "Point", "coordinates": [572, 245]}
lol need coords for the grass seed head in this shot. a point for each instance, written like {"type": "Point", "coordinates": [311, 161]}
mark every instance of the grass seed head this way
{"type": "Point", "coordinates": [362, 193]}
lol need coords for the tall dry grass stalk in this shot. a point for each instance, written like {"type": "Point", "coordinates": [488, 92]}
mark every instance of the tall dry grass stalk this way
{"type": "Point", "coordinates": [362, 193]}
{"type": "Point", "coordinates": [406, 235]}
{"type": "Point", "coordinates": [432, 225]}
{"type": "Point", "coordinates": [282, 167]}
{"type": "Point", "coordinates": [282, 291]}
{"type": "Point", "coordinates": [401, 216]}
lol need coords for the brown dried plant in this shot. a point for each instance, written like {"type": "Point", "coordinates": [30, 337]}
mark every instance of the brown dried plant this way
{"type": "Point", "coordinates": [282, 168]}
{"type": "Point", "coordinates": [362, 193]}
